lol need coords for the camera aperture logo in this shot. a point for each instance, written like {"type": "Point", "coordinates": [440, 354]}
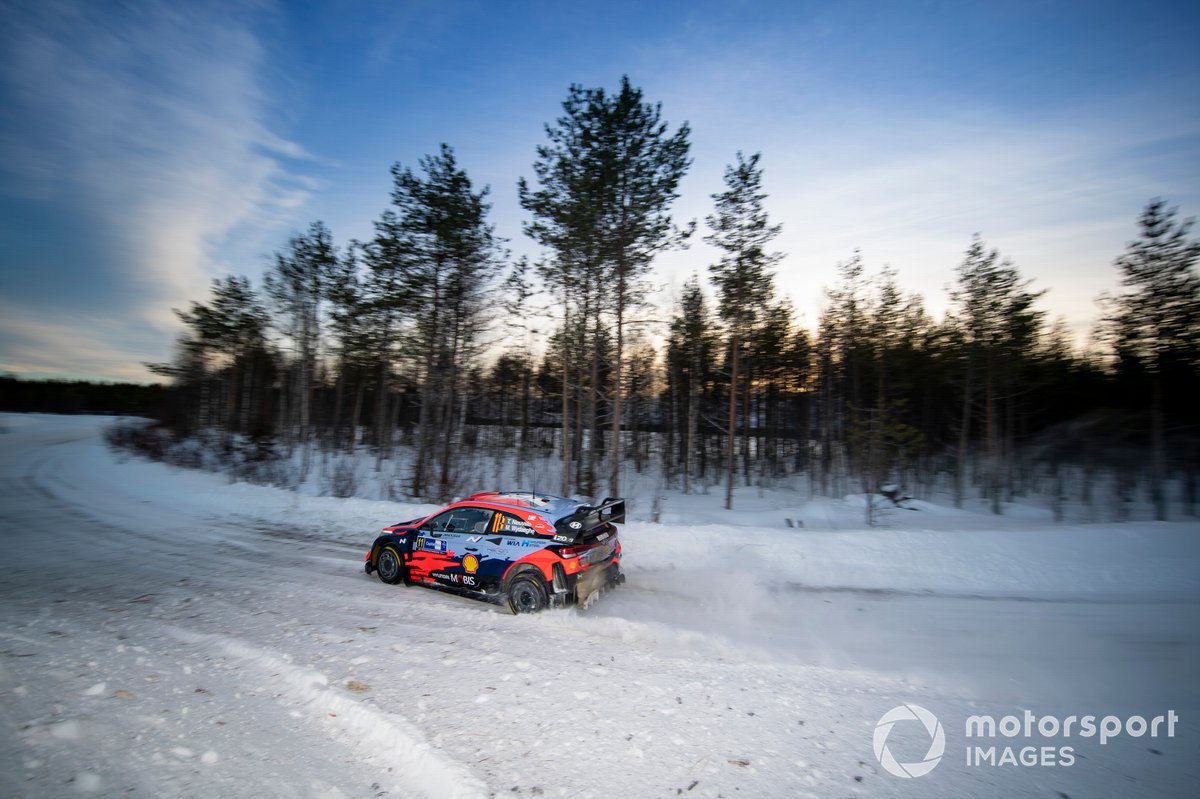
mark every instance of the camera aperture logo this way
{"type": "Point", "coordinates": [937, 743]}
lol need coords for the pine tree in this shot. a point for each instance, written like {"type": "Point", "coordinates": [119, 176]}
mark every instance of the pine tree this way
{"type": "Point", "coordinates": [891, 331]}
{"type": "Point", "coordinates": [297, 285]}
{"type": "Point", "coordinates": [607, 180]}
{"type": "Point", "coordinates": [351, 329]}
{"type": "Point", "coordinates": [646, 163]}
{"type": "Point", "coordinates": [387, 303]}
{"type": "Point", "coordinates": [229, 334]}
{"type": "Point", "coordinates": [452, 256]}
{"type": "Point", "coordinates": [844, 357]}
{"type": "Point", "coordinates": [1154, 324]}
{"type": "Point", "coordinates": [770, 347]}
{"type": "Point", "coordinates": [744, 285]}
{"type": "Point", "coordinates": [998, 325]}
{"type": "Point", "coordinates": [690, 349]}
{"type": "Point", "coordinates": [521, 290]}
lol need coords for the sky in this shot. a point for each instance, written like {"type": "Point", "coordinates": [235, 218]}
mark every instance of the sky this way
{"type": "Point", "coordinates": [150, 146]}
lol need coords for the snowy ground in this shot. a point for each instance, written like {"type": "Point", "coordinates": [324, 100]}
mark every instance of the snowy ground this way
{"type": "Point", "coordinates": [167, 633]}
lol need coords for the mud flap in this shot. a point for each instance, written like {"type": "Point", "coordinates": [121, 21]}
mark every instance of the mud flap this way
{"type": "Point", "coordinates": [593, 585]}
{"type": "Point", "coordinates": [560, 589]}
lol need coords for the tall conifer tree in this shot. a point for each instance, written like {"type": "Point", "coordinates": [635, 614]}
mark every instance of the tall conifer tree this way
{"type": "Point", "coordinates": [740, 229]}
{"type": "Point", "coordinates": [607, 180]}
{"type": "Point", "coordinates": [1155, 322]}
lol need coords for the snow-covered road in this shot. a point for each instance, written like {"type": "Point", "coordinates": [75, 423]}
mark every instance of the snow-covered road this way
{"type": "Point", "coordinates": [167, 633]}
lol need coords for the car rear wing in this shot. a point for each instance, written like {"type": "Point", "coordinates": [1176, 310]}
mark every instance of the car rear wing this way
{"type": "Point", "coordinates": [587, 518]}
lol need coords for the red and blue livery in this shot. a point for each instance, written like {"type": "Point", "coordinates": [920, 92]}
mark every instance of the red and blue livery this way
{"type": "Point", "coordinates": [525, 550]}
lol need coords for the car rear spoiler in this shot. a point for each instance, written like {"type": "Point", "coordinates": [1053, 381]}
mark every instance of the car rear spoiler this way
{"type": "Point", "coordinates": [588, 517]}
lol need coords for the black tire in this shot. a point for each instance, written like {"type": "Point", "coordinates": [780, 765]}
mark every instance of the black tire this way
{"type": "Point", "coordinates": [527, 593]}
{"type": "Point", "coordinates": [389, 566]}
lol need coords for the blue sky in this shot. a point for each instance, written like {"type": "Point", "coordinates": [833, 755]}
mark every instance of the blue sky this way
{"type": "Point", "coordinates": [150, 146]}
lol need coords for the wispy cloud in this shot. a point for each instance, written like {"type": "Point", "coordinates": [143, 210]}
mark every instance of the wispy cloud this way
{"type": "Point", "coordinates": [87, 347]}
{"type": "Point", "coordinates": [1058, 191]}
{"type": "Point", "coordinates": [153, 119]}
{"type": "Point", "coordinates": [1057, 196]}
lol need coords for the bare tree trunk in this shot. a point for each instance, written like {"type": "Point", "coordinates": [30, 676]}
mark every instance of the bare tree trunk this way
{"type": "Point", "coordinates": [305, 421]}
{"type": "Point", "coordinates": [746, 439]}
{"type": "Point", "coordinates": [636, 433]}
{"type": "Point", "coordinates": [381, 416]}
{"type": "Point", "coordinates": [964, 443]}
{"type": "Point", "coordinates": [247, 394]}
{"type": "Point", "coordinates": [730, 455]}
{"type": "Point", "coordinates": [870, 486]}
{"type": "Point", "coordinates": [448, 421]}
{"type": "Point", "coordinates": [993, 449]}
{"type": "Point", "coordinates": [1158, 453]}
{"type": "Point", "coordinates": [285, 410]}
{"type": "Point", "coordinates": [672, 452]}
{"type": "Point", "coordinates": [693, 415]}
{"type": "Point", "coordinates": [339, 391]}
{"type": "Point", "coordinates": [523, 430]}
{"type": "Point", "coordinates": [614, 470]}
{"type": "Point", "coordinates": [588, 484]}
{"type": "Point", "coordinates": [356, 416]}
{"type": "Point", "coordinates": [425, 422]}
{"type": "Point", "coordinates": [566, 413]}
{"type": "Point", "coordinates": [578, 438]}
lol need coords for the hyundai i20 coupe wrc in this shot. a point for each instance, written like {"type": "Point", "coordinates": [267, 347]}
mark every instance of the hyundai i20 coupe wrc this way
{"type": "Point", "coordinates": [521, 549]}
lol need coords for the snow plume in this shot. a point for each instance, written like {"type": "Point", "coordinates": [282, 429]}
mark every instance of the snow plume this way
{"type": "Point", "coordinates": [145, 127]}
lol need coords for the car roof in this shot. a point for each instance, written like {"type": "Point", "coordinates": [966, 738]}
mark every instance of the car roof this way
{"type": "Point", "coordinates": [550, 507]}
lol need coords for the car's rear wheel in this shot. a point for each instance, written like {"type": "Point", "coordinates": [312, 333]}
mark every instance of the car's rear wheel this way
{"type": "Point", "coordinates": [388, 565]}
{"type": "Point", "coordinates": [527, 594]}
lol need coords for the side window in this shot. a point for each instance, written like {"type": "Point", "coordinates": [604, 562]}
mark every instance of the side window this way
{"type": "Point", "coordinates": [508, 524]}
{"type": "Point", "coordinates": [460, 520]}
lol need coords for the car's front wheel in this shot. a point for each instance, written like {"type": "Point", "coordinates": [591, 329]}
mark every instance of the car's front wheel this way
{"type": "Point", "coordinates": [527, 594]}
{"type": "Point", "coordinates": [388, 565]}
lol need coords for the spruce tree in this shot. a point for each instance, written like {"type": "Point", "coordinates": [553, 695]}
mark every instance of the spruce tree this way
{"type": "Point", "coordinates": [297, 285]}
{"type": "Point", "coordinates": [451, 256]}
{"type": "Point", "coordinates": [689, 352]}
{"type": "Point", "coordinates": [998, 325]}
{"type": "Point", "coordinates": [351, 329]}
{"type": "Point", "coordinates": [1154, 324]}
{"type": "Point", "coordinates": [229, 334]}
{"type": "Point", "coordinates": [607, 180]}
{"type": "Point", "coordinates": [387, 303]}
{"type": "Point", "coordinates": [740, 229]}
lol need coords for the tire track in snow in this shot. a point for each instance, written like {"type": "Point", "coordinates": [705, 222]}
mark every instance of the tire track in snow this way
{"type": "Point", "coordinates": [418, 769]}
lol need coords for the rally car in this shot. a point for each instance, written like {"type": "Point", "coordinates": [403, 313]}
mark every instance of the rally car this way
{"type": "Point", "coordinates": [521, 549]}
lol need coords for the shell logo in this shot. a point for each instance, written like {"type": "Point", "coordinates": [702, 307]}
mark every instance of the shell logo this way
{"type": "Point", "coordinates": [471, 564]}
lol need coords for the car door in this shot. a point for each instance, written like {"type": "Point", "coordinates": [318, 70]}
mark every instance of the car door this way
{"type": "Point", "coordinates": [449, 543]}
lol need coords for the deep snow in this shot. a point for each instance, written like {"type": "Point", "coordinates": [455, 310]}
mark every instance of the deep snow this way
{"type": "Point", "coordinates": [168, 633]}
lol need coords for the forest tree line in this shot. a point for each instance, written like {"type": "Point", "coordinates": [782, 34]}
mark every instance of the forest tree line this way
{"type": "Point", "coordinates": [79, 396]}
{"type": "Point", "coordinates": [429, 337]}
